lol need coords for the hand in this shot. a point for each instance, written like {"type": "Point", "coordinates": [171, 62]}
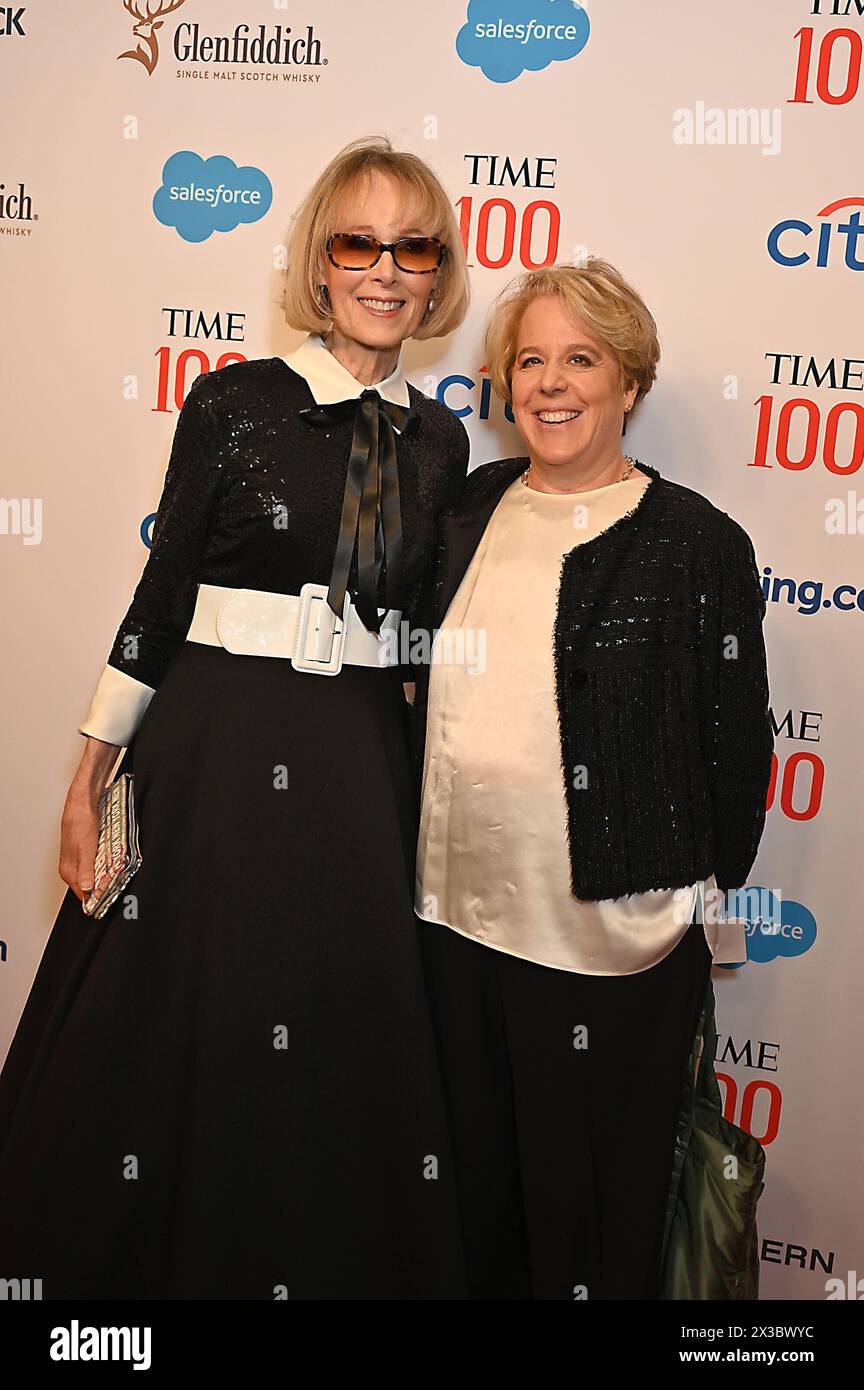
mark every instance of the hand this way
{"type": "Point", "coordinates": [79, 839]}
{"type": "Point", "coordinates": [79, 827]}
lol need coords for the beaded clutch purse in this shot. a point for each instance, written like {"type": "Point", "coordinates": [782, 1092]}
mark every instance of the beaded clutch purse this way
{"type": "Point", "coordinates": [118, 855]}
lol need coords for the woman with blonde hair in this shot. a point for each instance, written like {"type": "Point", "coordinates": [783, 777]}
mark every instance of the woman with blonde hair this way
{"type": "Point", "coordinates": [585, 793]}
{"type": "Point", "coordinates": [226, 1087]}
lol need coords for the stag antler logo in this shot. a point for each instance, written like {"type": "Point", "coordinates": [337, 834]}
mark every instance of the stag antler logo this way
{"type": "Point", "coordinates": [147, 51]}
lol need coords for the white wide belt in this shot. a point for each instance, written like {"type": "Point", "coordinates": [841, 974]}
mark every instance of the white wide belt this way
{"type": "Point", "coordinates": [300, 627]}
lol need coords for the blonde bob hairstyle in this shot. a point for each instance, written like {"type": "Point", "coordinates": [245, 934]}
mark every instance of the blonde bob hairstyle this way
{"type": "Point", "coordinates": [319, 215]}
{"type": "Point", "coordinates": [599, 295]}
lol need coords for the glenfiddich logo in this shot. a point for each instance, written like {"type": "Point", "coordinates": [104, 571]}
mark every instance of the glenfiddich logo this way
{"type": "Point", "coordinates": [274, 46]}
{"type": "Point", "coordinates": [144, 29]}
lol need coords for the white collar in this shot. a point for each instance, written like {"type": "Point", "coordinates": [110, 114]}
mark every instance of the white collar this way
{"type": "Point", "coordinates": [329, 381]}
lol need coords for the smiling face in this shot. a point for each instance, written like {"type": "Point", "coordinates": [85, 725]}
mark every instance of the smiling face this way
{"type": "Point", "coordinates": [567, 400]}
{"type": "Point", "coordinates": [381, 307]}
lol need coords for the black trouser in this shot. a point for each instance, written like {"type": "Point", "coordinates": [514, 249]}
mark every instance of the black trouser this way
{"type": "Point", "coordinates": [563, 1152]}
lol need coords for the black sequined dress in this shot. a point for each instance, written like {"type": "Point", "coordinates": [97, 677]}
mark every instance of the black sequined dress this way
{"type": "Point", "coordinates": [230, 1090]}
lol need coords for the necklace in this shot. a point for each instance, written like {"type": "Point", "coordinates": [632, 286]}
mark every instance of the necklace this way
{"type": "Point", "coordinates": [631, 464]}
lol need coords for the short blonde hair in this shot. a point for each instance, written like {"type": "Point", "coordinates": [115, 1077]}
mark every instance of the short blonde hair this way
{"type": "Point", "coordinates": [317, 218]}
{"type": "Point", "coordinates": [598, 294]}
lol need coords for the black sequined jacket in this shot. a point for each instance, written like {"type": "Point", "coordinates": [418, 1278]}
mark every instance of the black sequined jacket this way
{"type": "Point", "coordinates": [253, 498]}
{"type": "Point", "coordinates": [661, 686]}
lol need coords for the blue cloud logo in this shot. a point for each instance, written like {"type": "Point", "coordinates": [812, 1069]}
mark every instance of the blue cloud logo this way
{"type": "Point", "coordinates": [784, 928]}
{"type": "Point", "coordinates": [507, 37]}
{"type": "Point", "coordinates": [201, 196]}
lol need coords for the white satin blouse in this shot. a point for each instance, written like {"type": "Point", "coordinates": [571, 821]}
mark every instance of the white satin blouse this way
{"type": "Point", "coordinates": [493, 859]}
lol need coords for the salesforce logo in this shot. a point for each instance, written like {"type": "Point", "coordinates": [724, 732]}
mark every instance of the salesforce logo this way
{"type": "Point", "coordinates": [773, 926]}
{"type": "Point", "coordinates": [201, 196]}
{"type": "Point", "coordinates": [504, 38]}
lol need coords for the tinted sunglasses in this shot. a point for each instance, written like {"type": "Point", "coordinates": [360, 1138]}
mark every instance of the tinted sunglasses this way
{"type": "Point", "coordinates": [417, 254]}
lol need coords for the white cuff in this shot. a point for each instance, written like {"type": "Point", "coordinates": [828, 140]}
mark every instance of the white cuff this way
{"type": "Point", "coordinates": [117, 707]}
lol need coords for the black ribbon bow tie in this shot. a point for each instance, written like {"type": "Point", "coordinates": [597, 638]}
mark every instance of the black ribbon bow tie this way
{"type": "Point", "coordinates": [371, 512]}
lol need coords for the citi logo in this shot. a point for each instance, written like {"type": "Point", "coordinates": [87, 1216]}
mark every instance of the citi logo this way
{"type": "Point", "coordinates": [795, 242]}
{"type": "Point", "coordinates": [10, 20]}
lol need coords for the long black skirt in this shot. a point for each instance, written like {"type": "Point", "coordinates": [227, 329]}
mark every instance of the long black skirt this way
{"type": "Point", "coordinates": [564, 1093]}
{"type": "Point", "coordinates": [227, 1088]}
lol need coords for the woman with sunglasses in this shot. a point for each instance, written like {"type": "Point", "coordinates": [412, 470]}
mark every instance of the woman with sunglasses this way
{"type": "Point", "coordinates": [226, 1086]}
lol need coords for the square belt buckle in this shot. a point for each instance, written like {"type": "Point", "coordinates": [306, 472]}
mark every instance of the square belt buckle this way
{"type": "Point", "coordinates": [320, 634]}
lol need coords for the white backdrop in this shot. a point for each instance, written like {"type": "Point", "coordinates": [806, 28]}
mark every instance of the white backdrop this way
{"type": "Point", "coordinates": [637, 150]}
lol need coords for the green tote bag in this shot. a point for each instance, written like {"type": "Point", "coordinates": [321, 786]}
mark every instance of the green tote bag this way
{"type": "Point", "coordinates": [710, 1245]}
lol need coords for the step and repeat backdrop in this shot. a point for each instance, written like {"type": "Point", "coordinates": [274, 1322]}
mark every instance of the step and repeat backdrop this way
{"type": "Point", "coordinates": [712, 153]}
